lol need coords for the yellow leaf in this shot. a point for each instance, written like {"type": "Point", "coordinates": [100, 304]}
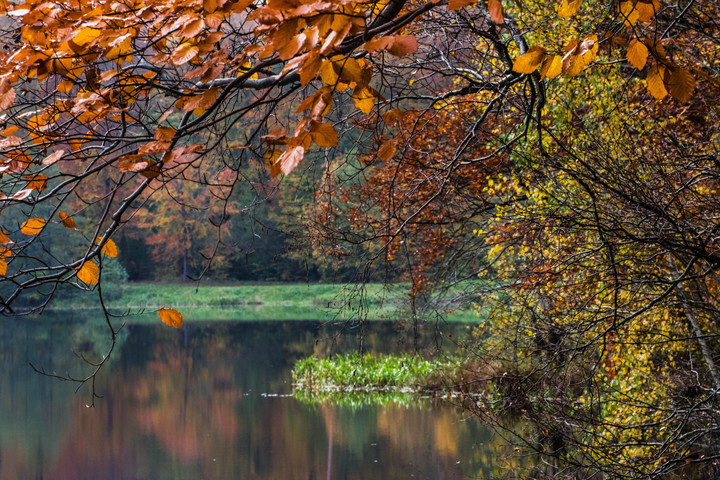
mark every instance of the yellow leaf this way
{"type": "Point", "coordinates": [552, 67]}
{"type": "Point", "coordinates": [32, 226]}
{"type": "Point", "coordinates": [530, 60]}
{"type": "Point", "coordinates": [568, 9]}
{"type": "Point", "coordinates": [89, 273]}
{"type": "Point", "coordinates": [67, 220]}
{"type": "Point", "coordinates": [655, 83]}
{"type": "Point", "coordinates": [628, 12]}
{"type": "Point", "coordinates": [637, 54]}
{"type": "Point", "coordinates": [170, 316]}
{"type": "Point", "coordinates": [364, 100]}
{"type": "Point", "coordinates": [496, 12]}
{"type": "Point", "coordinates": [681, 85]}
{"type": "Point", "coordinates": [109, 249]}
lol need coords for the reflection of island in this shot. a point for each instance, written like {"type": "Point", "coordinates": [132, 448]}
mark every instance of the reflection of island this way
{"type": "Point", "coordinates": [188, 405]}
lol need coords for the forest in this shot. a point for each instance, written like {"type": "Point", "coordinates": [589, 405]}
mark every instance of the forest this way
{"type": "Point", "coordinates": [561, 156]}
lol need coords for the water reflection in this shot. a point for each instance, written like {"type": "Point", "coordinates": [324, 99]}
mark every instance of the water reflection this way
{"type": "Point", "coordinates": [209, 402]}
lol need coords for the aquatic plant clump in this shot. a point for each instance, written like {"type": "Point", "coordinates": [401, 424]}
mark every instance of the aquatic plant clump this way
{"type": "Point", "coordinates": [367, 373]}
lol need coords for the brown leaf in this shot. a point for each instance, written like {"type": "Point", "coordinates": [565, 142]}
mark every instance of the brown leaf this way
{"type": "Point", "coordinates": [7, 99]}
{"type": "Point", "coordinates": [530, 60]}
{"type": "Point", "coordinates": [89, 273]}
{"type": "Point", "coordinates": [153, 148]}
{"type": "Point", "coordinates": [681, 85]}
{"type": "Point", "coordinates": [193, 27]}
{"type": "Point", "coordinates": [403, 45]}
{"type": "Point", "coordinates": [170, 316]}
{"type": "Point", "coordinates": [496, 12]}
{"type": "Point", "coordinates": [32, 226]}
{"type": "Point", "coordinates": [458, 4]}
{"type": "Point", "coordinates": [387, 150]}
{"type": "Point", "coordinates": [637, 54]}
{"type": "Point", "coordinates": [164, 134]}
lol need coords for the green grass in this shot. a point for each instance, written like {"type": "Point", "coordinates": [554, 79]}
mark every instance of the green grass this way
{"type": "Point", "coordinates": [248, 302]}
{"type": "Point", "coordinates": [352, 373]}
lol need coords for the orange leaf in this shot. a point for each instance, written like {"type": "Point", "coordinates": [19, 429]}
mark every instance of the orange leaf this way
{"type": "Point", "coordinates": [32, 226]}
{"type": "Point", "coordinates": [4, 239]}
{"type": "Point", "coordinates": [681, 85]}
{"type": "Point", "coordinates": [530, 60]}
{"type": "Point", "coordinates": [324, 135]}
{"type": "Point", "coordinates": [109, 249]}
{"type": "Point", "coordinates": [67, 220]}
{"type": "Point", "coordinates": [3, 267]}
{"type": "Point", "coordinates": [496, 12]}
{"type": "Point", "coordinates": [655, 83]}
{"type": "Point", "coordinates": [552, 67]}
{"type": "Point", "coordinates": [38, 182]}
{"type": "Point", "coordinates": [628, 12]}
{"type": "Point", "coordinates": [184, 52]}
{"type": "Point", "coordinates": [89, 273]}
{"type": "Point", "coordinates": [164, 134]}
{"type": "Point", "coordinates": [170, 316]}
{"type": "Point", "coordinates": [637, 54]}
{"type": "Point", "coordinates": [647, 9]}
{"type": "Point", "coordinates": [569, 9]}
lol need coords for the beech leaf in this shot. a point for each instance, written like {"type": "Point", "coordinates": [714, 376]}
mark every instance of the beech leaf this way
{"type": "Point", "coordinates": [681, 85]}
{"type": "Point", "coordinates": [290, 159]}
{"type": "Point", "coordinates": [89, 273]}
{"type": "Point", "coordinates": [32, 226]}
{"type": "Point", "coordinates": [109, 249]}
{"type": "Point", "coordinates": [170, 316]}
{"type": "Point", "coordinates": [568, 9]}
{"type": "Point", "coordinates": [67, 220]}
{"type": "Point", "coordinates": [655, 83]}
{"type": "Point", "coordinates": [496, 12]}
{"type": "Point", "coordinates": [637, 54]}
{"type": "Point", "coordinates": [530, 60]}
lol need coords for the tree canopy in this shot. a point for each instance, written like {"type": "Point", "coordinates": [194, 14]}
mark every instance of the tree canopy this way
{"type": "Point", "coordinates": [565, 151]}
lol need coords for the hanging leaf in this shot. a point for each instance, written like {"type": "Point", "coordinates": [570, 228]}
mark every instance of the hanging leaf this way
{"type": "Point", "coordinates": [387, 150]}
{"type": "Point", "coordinates": [32, 226]}
{"type": "Point", "coordinates": [184, 52]}
{"type": "Point", "coordinates": [403, 45]}
{"type": "Point", "coordinates": [530, 60]}
{"type": "Point", "coordinates": [655, 83]}
{"type": "Point", "coordinates": [551, 67]}
{"type": "Point", "coordinates": [637, 54]}
{"type": "Point", "coordinates": [109, 249]}
{"type": "Point", "coordinates": [89, 273]}
{"type": "Point", "coordinates": [681, 85]}
{"type": "Point", "coordinates": [496, 12]}
{"type": "Point", "coordinates": [4, 239]}
{"type": "Point", "coordinates": [290, 159]}
{"type": "Point", "coordinates": [67, 220]}
{"type": "Point", "coordinates": [170, 316]}
{"type": "Point", "coordinates": [3, 267]}
{"type": "Point", "coordinates": [324, 135]}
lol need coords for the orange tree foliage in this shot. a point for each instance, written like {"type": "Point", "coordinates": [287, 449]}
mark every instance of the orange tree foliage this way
{"type": "Point", "coordinates": [575, 139]}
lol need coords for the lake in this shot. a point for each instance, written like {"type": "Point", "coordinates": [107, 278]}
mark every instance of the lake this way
{"type": "Point", "coordinates": [213, 401]}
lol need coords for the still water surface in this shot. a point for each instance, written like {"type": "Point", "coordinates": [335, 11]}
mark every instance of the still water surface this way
{"type": "Point", "coordinates": [211, 401]}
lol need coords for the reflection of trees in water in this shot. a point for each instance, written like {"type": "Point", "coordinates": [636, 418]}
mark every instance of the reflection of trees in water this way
{"type": "Point", "coordinates": [187, 404]}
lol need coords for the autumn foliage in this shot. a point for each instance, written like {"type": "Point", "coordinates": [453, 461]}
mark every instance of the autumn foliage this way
{"type": "Point", "coordinates": [566, 151]}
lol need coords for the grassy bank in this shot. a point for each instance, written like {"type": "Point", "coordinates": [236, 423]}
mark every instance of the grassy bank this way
{"type": "Point", "coordinates": [249, 302]}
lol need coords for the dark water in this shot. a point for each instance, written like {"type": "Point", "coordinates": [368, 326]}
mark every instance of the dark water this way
{"type": "Point", "coordinates": [210, 401]}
